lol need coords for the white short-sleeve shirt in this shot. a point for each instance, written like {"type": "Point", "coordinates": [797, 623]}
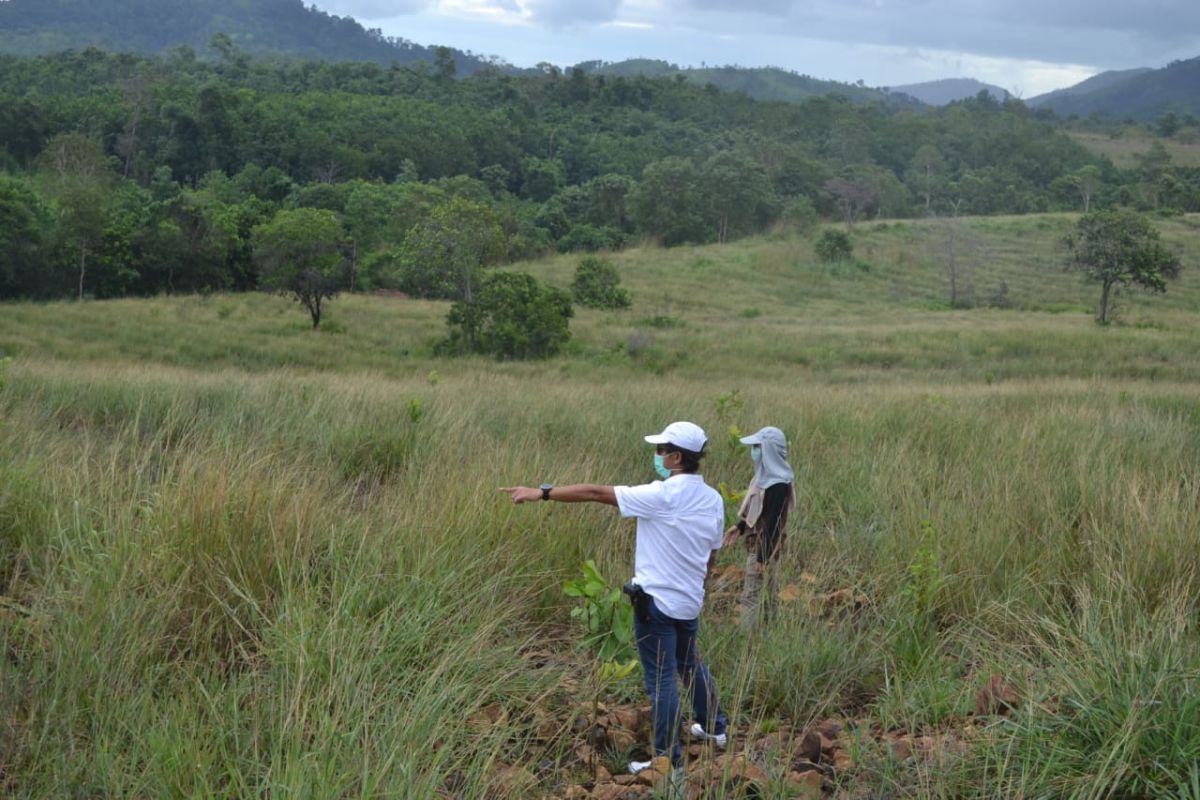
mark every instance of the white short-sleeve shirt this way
{"type": "Point", "coordinates": [680, 521]}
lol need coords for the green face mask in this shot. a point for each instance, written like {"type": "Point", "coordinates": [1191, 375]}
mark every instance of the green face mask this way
{"type": "Point", "coordinates": [756, 454]}
{"type": "Point", "coordinates": [662, 471]}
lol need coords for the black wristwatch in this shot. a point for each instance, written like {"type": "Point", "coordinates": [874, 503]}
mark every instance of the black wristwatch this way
{"type": "Point", "coordinates": [546, 487]}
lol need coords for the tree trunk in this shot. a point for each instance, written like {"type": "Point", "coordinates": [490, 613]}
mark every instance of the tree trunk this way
{"type": "Point", "coordinates": [314, 310]}
{"type": "Point", "coordinates": [82, 268]}
{"type": "Point", "coordinates": [1103, 318]}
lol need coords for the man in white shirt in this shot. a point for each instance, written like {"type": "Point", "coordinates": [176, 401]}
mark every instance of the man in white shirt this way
{"type": "Point", "coordinates": [680, 526]}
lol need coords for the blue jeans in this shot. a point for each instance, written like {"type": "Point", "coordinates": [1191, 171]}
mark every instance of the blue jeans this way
{"type": "Point", "coordinates": [667, 648]}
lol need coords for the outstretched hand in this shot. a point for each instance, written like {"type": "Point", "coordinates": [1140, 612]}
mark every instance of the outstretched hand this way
{"type": "Point", "coordinates": [523, 494]}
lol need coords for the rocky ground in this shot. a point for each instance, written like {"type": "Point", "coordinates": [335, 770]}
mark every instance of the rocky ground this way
{"type": "Point", "coordinates": [779, 760]}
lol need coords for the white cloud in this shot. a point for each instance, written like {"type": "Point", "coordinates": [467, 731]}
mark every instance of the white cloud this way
{"type": "Point", "coordinates": [1026, 46]}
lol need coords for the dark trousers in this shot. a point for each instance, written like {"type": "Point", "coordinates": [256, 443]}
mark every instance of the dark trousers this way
{"type": "Point", "coordinates": [667, 648]}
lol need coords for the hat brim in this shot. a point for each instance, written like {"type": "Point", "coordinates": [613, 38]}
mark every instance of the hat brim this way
{"type": "Point", "coordinates": [657, 438]}
{"type": "Point", "coordinates": [753, 438]}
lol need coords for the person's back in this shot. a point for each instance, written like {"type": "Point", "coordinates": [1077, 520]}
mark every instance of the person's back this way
{"type": "Point", "coordinates": [681, 522]}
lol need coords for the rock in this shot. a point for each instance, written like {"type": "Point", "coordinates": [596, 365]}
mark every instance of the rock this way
{"type": "Point", "coordinates": [842, 761]}
{"type": "Point", "coordinates": [748, 772]}
{"type": "Point", "coordinates": [801, 765]}
{"type": "Point", "coordinates": [597, 738]}
{"type": "Point", "coordinates": [650, 777]}
{"type": "Point", "coordinates": [790, 594]}
{"type": "Point", "coordinates": [576, 793]}
{"type": "Point", "coordinates": [998, 696]}
{"type": "Point", "coordinates": [507, 782]}
{"type": "Point", "coordinates": [621, 740]}
{"type": "Point", "coordinates": [547, 727]}
{"type": "Point", "coordinates": [808, 747]}
{"type": "Point", "coordinates": [804, 784]}
{"type": "Point", "coordinates": [602, 774]}
{"type": "Point", "coordinates": [830, 728]}
{"type": "Point", "coordinates": [625, 779]}
{"type": "Point", "coordinates": [627, 717]}
{"type": "Point", "coordinates": [612, 791]}
{"type": "Point", "coordinates": [487, 717]}
{"type": "Point", "coordinates": [900, 748]}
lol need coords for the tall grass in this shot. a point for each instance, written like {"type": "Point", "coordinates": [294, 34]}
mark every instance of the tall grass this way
{"type": "Point", "coordinates": [220, 577]}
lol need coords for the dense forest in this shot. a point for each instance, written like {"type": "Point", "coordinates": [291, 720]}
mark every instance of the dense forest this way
{"type": "Point", "coordinates": [125, 174]}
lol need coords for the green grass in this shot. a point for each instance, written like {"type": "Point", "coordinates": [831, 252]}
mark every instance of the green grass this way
{"type": "Point", "coordinates": [238, 558]}
{"type": "Point", "coordinates": [1127, 144]}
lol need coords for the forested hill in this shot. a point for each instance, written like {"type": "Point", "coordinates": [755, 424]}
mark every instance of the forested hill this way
{"type": "Point", "coordinates": [153, 26]}
{"type": "Point", "coordinates": [1136, 94]}
{"type": "Point", "coordinates": [122, 174]}
{"type": "Point", "coordinates": [762, 83]}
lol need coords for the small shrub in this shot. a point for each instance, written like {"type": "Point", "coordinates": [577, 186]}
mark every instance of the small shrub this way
{"type": "Point", "coordinates": [605, 612]}
{"type": "Point", "coordinates": [590, 238]}
{"type": "Point", "coordinates": [800, 214]}
{"type": "Point", "coordinates": [512, 316]}
{"type": "Point", "coordinates": [332, 326]}
{"type": "Point", "coordinates": [750, 313]}
{"type": "Point", "coordinates": [834, 246]}
{"type": "Point", "coordinates": [597, 285]}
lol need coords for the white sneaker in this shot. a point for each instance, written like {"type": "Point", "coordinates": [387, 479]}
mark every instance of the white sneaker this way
{"type": "Point", "coordinates": [637, 766]}
{"type": "Point", "coordinates": [698, 732]}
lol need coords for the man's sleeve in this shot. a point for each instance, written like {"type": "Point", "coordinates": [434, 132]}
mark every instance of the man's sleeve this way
{"type": "Point", "coordinates": [639, 501]}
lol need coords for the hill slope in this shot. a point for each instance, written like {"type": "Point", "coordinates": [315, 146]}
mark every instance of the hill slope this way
{"type": "Point", "coordinates": [761, 83]}
{"type": "Point", "coordinates": [29, 27]}
{"type": "Point", "coordinates": [940, 93]}
{"type": "Point", "coordinates": [1093, 84]}
{"type": "Point", "coordinates": [1139, 94]}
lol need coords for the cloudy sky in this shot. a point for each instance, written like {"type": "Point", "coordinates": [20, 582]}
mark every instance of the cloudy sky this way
{"type": "Point", "coordinates": [1026, 46]}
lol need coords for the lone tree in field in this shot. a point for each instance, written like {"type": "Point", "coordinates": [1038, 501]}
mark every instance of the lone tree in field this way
{"type": "Point", "coordinates": [299, 253]}
{"type": "Point", "coordinates": [1119, 248]}
{"type": "Point", "coordinates": [443, 257]}
{"type": "Point", "coordinates": [77, 174]}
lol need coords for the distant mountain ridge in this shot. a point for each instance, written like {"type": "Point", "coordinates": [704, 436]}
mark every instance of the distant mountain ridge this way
{"type": "Point", "coordinates": [32, 27]}
{"type": "Point", "coordinates": [948, 90]}
{"type": "Point", "coordinates": [1141, 94]}
{"type": "Point", "coordinates": [761, 83]}
{"type": "Point", "coordinates": [1095, 83]}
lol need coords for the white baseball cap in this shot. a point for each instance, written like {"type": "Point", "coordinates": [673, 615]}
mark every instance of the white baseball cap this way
{"type": "Point", "coordinates": [686, 435]}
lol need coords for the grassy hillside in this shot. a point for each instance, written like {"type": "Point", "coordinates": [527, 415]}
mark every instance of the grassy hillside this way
{"type": "Point", "coordinates": [1130, 142]}
{"type": "Point", "coordinates": [238, 558]}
